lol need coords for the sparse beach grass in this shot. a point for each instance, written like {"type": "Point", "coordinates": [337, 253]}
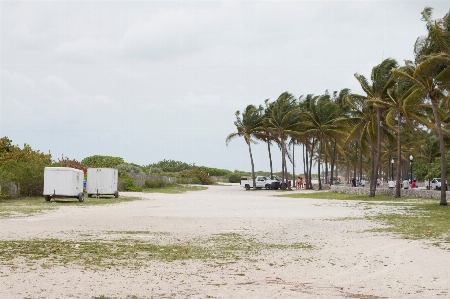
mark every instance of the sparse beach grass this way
{"type": "Point", "coordinates": [28, 206]}
{"type": "Point", "coordinates": [133, 253]}
{"type": "Point", "coordinates": [421, 218]}
{"type": "Point", "coordinates": [174, 189]}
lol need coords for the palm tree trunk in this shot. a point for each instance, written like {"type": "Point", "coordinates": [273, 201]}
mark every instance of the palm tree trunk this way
{"type": "Point", "coordinates": [253, 165]}
{"type": "Point", "coordinates": [283, 158]}
{"type": "Point", "coordinates": [398, 193]}
{"type": "Point", "coordinates": [270, 159]}
{"type": "Point", "coordinates": [356, 161]}
{"type": "Point", "coordinates": [293, 162]}
{"type": "Point", "coordinates": [434, 103]}
{"type": "Point", "coordinates": [373, 179]}
{"type": "Point", "coordinates": [378, 156]}
{"type": "Point", "coordinates": [310, 163]}
{"type": "Point", "coordinates": [326, 167]}
{"type": "Point", "coordinates": [360, 162]}
{"type": "Point", "coordinates": [305, 166]}
{"type": "Point", "coordinates": [318, 162]}
{"type": "Point", "coordinates": [333, 162]}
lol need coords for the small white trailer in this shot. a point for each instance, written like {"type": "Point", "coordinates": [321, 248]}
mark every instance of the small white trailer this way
{"type": "Point", "coordinates": [63, 182]}
{"type": "Point", "coordinates": [102, 181]}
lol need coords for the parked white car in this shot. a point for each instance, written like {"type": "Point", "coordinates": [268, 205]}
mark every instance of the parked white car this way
{"type": "Point", "coordinates": [435, 184]}
{"type": "Point", "coordinates": [261, 182]}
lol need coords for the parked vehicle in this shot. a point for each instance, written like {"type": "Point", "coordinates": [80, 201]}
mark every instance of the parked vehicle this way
{"type": "Point", "coordinates": [102, 181]}
{"type": "Point", "coordinates": [261, 182]}
{"type": "Point", "coordinates": [435, 184]}
{"type": "Point", "coordinates": [63, 182]}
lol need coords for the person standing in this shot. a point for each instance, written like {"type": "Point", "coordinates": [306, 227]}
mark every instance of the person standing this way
{"type": "Point", "coordinates": [363, 182]}
{"type": "Point", "coordinates": [297, 183]}
{"type": "Point", "coordinates": [405, 184]}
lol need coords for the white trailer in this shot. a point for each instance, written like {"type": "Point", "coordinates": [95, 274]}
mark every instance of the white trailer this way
{"type": "Point", "coordinates": [102, 181]}
{"type": "Point", "coordinates": [63, 182]}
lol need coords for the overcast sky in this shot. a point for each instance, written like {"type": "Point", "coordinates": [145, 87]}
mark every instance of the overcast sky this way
{"type": "Point", "coordinates": [154, 80]}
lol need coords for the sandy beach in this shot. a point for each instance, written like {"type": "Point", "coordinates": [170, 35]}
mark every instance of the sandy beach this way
{"type": "Point", "coordinates": [342, 258]}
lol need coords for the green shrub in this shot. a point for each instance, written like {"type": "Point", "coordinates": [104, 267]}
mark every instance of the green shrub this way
{"type": "Point", "coordinates": [214, 171]}
{"type": "Point", "coordinates": [170, 166]}
{"type": "Point", "coordinates": [201, 177]}
{"type": "Point", "coordinates": [234, 178]}
{"type": "Point", "coordinates": [127, 169]}
{"type": "Point", "coordinates": [102, 161]}
{"type": "Point", "coordinates": [128, 185]}
{"type": "Point", "coordinates": [24, 167]}
{"type": "Point", "coordinates": [155, 183]}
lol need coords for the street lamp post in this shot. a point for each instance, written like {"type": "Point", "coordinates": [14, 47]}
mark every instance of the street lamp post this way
{"type": "Point", "coordinates": [411, 162]}
{"type": "Point", "coordinates": [392, 169]}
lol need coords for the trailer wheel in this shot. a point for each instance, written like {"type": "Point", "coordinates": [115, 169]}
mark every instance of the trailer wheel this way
{"type": "Point", "coordinates": [47, 197]}
{"type": "Point", "coordinates": [80, 197]}
{"type": "Point", "coordinates": [247, 187]}
{"type": "Point", "coordinates": [116, 194]}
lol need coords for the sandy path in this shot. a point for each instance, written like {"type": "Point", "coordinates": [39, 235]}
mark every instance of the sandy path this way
{"type": "Point", "coordinates": [346, 262]}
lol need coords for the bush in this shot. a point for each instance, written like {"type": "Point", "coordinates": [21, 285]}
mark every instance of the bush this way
{"type": "Point", "coordinates": [214, 171]}
{"type": "Point", "coordinates": [170, 166]}
{"type": "Point", "coordinates": [25, 167]}
{"type": "Point", "coordinates": [155, 183]}
{"type": "Point", "coordinates": [127, 169]}
{"type": "Point", "coordinates": [128, 185]}
{"type": "Point", "coordinates": [102, 161]}
{"type": "Point", "coordinates": [234, 178]}
{"type": "Point", "coordinates": [196, 173]}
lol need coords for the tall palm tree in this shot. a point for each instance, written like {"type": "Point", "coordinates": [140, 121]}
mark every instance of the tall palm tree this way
{"type": "Point", "coordinates": [400, 106]}
{"type": "Point", "coordinates": [431, 78]}
{"type": "Point", "coordinates": [247, 126]}
{"type": "Point", "coordinates": [283, 120]}
{"type": "Point", "coordinates": [320, 122]}
{"type": "Point", "coordinates": [381, 80]}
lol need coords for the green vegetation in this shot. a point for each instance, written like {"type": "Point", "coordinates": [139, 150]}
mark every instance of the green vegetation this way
{"type": "Point", "coordinates": [173, 189]}
{"type": "Point", "coordinates": [28, 206]}
{"type": "Point", "coordinates": [344, 196]}
{"type": "Point", "coordinates": [132, 253]}
{"type": "Point", "coordinates": [23, 167]}
{"type": "Point", "coordinates": [102, 161]}
{"type": "Point", "coordinates": [420, 218]}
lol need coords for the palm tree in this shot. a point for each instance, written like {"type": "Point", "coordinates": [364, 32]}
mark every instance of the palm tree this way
{"type": "Point", "coordinates": [431, 78]}
{"type": "Point", "coordinates": [381, 81]}
{"type": "Point", "coordinates": [283, 119]}
{"type": "Point", "coordinates": [320, 122]}
{"type": "Point", "coordinates": [438, 38]}
{"type": "Point", "coordinates": [248, 126]}
{"type": "Point", "coordinates": [400, 106]}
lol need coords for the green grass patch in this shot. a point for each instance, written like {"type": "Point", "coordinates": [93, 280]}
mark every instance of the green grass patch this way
{"type": "Point", "coordinates": [174, 189]}
{"type": "Point", "coordinates": [421, 218]}
{"type": "Point", "coordinates": [132, 253]}
{"type": "Point", "coordinates": [28, 206]}
{"type": "Point", "coordinates": [344, 196]}
{"type": "Point", "coordinates": [426, 220]}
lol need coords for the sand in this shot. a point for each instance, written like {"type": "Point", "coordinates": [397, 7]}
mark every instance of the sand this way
{"type": "Point", "coordinates": [346, 260]}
